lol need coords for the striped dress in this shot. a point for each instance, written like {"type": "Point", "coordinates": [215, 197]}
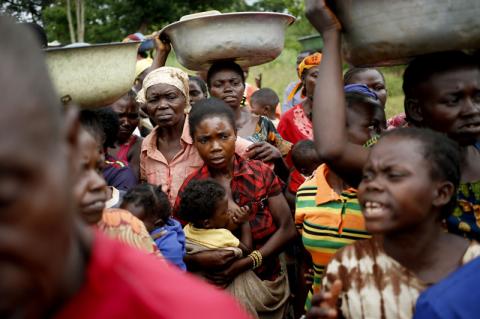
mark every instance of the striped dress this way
{"type": "Point", "coordinates": [327, 222]}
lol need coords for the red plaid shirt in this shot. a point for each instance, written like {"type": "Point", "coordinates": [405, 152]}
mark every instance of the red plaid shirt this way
{"type": "Point", "coordinates": [252, 184]}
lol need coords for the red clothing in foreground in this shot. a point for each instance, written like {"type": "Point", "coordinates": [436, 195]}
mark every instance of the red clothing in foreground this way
{"type": "Point", "coordinates": [124, 283]}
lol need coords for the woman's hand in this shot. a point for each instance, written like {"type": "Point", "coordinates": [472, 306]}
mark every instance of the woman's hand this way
{"type": "Point", "coordinates": [162, 47]}
{"type": "Point", "coordinates": [224, 277]}
{"type": "Point", "coordinates": [258, 80]}
{"type": "Point", "coordinates": [162, 44]}
{"type": "Point", "coordinates": [321, 16]}
{"type": "Point", "coordinates": [263, 151]}
{"type": "Point", "coordinates": [324, 304]}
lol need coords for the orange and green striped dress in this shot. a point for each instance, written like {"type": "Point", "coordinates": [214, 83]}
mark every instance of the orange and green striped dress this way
{"type": "Point", "coordinates": [327, 222]}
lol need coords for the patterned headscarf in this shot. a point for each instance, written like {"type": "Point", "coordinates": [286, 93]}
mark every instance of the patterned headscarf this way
{"type": "Point", "coordinates": [166, 75]}
{"type": "Point", "coordinates": [309, 62]}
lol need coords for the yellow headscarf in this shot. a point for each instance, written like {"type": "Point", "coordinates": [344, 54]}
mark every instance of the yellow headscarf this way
{"type": "Point", "coordinates": [307, 63]}
{"type": "Point", "coordinates": [168, 75]}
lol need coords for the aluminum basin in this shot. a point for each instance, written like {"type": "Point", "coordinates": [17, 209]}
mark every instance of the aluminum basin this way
{"type": "Point", "coordinates": [249, 38]}
{"type": "Point", "coordinates": [95, 75]}
{"type": "Point", "coordinates": [387, 32]}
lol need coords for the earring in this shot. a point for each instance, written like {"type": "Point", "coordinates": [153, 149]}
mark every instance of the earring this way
{"type": "Point", "coordinates": [304, 92]}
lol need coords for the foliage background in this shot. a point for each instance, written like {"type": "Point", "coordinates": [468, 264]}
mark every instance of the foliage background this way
{"type": "Point", "coordinates": [112, 20]}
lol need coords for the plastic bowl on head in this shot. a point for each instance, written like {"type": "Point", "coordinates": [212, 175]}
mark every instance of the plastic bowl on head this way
{"type": "Point", "coordinates": [92, 75]}
{"type": "Point", "coordinates": [248, 38]}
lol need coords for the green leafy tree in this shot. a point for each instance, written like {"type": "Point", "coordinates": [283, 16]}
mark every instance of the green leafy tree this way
{"type": "Point", "coordinates": [22, 10]}
{"type": "Point", "coordinates": [112, 20]}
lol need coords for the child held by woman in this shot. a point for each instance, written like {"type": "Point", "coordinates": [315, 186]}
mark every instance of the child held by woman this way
{"type": "Point", "coordinates": [150, 204]}
{"type": "Point", "coordinates": [210, 224]}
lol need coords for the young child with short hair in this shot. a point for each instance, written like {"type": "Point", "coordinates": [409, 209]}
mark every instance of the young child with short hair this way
{"type": "Point", "coordinates": [150, 204]}
{"type": "Point", "coordinates": [264, 102]}
{"type": "Point", "coordinates": [204, 206]}
{"type": "Point", "coordinates": [305, 159]}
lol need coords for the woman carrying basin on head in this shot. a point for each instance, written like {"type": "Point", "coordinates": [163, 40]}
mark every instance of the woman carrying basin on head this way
{"type": "Point", "coordinates": [226, 81]}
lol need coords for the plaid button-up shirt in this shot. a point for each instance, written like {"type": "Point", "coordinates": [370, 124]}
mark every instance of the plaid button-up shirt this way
{"type": "Point", "coordinates": [252, 184]}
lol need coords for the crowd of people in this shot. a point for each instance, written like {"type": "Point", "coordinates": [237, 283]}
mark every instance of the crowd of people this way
{"type": "Point", "coordinates": [192, 196]}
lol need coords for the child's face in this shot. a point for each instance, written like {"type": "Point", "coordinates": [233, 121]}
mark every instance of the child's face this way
{"type": "Point", "coordinates": [215, 139]}
{"type": "Point", "coordinates": [139, 211]}
{"type": "Point", "coordinates": [258, 108]}
{"type": "Point", "coordinates": [308, 163]}
{"type": "Point", "coordinates": [136, 209]}
{"type": "Point", "coordinates": [397, 191]}
{"type": "Point", "coordinates": [221, 217]}
{"type": "Point", "coordinates": [90, 187]}
{"type": "Point", "coordinates": [361, 122]}
{"type": "Point", "coordinates": [450, 103]}
{"type": "Point", "coordinates": [373, 79]}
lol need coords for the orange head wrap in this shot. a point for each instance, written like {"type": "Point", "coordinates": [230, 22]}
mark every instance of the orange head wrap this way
{"type": "Point", "coordinates": [309, 62]}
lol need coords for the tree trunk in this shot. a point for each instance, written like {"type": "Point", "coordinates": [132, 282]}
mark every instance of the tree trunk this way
{"type": "Point", "coordinates": [70, 22]}
{"type": "Point", "coordinates": [80, 13]}
{"type": "Point", "coordinates": [82, 19]}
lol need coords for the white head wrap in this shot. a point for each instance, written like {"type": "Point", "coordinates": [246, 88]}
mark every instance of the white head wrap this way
{"type": "Point", "coordinates": [166, 75]}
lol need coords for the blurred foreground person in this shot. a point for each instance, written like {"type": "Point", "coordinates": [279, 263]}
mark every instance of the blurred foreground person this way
{"type": "Point", "coordinates": [51, 265]}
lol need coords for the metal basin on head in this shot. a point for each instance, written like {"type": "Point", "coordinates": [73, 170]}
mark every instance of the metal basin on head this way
{"type": "Point", "coordinates": [93, 75]}
{"type": "Point", "coordinates": [249, 38]}
{"type": "Point", "coordinates": [387, 32]}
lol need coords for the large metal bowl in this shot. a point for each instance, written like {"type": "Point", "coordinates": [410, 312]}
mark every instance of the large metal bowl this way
{"type": "Point", "coordinates": [249, 38]}
{"type": "Point", "coordinates": [386, 32]}
{"type": "Point", "coordinates": [94, 75]}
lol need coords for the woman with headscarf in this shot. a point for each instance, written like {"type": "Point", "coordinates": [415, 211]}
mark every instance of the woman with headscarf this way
{"type": "Point", "coordinates": [168, 155]}
{"type": "Point", "coordinates": [296, 124]}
